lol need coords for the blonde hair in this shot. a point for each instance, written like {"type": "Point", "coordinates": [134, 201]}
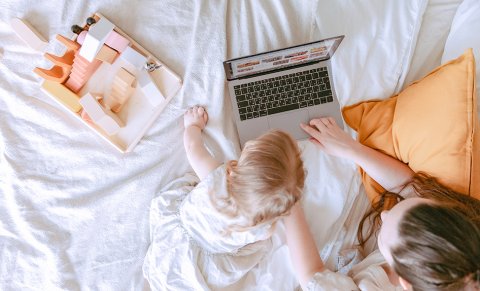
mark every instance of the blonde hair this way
{"type": "Point", "coordinates": [265, 182]}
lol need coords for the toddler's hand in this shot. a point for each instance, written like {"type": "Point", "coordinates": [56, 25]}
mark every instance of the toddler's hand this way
{"type": "Point", "coordinates": [195, 116]}
{"type": "Point", "coordinates": [326, 134]}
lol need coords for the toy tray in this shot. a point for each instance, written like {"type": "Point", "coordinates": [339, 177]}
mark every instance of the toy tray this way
{"type": "Point", "coordinates": [137, 114]}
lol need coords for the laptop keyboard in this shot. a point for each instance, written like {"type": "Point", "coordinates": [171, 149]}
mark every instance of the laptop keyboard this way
{"type": "Point", "coordinates": [283, 93]}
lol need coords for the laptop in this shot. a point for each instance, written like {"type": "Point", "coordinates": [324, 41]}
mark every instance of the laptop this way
{"type": "Point", "coordinates": [280, 89]}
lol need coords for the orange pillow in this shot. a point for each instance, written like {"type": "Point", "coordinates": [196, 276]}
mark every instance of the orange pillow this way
{"type": "Point", "coordinates": [432, 126]}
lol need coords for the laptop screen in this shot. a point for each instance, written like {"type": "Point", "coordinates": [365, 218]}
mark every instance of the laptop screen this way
{"type": "Point", "coordinates": [282, 58]}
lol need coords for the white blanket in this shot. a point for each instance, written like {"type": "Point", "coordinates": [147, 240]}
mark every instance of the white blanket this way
{"type": "Point", "coordinates": [74, 212]}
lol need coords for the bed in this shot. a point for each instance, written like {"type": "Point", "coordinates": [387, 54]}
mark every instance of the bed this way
{"type": "Point", "coordinates": [74, 213]}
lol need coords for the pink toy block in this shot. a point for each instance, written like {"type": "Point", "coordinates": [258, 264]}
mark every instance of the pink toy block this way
{"type": "Point", "coordinates": [95, 38]}
{"type": "Point", "coordinates": [85, 116]}
{"type": "Point", "coordinates": [81, 37]}
{"type": "Point", "coordinates": [122, 89]}
{"type": "Point", "coordinates": [29, 34]}
{"type": "Point", "coordinates": [82, 70]}
{"type": "Point", "coordinates": [150, 88]}
{"type": "Point", "coordinates": [107, 54]}
{"type": "Point", "coordinates": [117, 42]}
{"type": "Point", "coordinates": [101, 116]}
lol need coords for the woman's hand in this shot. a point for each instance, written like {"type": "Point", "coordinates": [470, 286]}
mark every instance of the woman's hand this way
{"type": "Point", "coordinates": [326, 134]}
{"type": "Point", "coordinates": [195, 116]}
{"type": "Point", "coordinates": [389, 172]}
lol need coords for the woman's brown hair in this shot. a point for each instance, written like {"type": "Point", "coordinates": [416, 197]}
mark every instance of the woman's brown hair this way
{"type": "Point", "coordinates": [439, 246]}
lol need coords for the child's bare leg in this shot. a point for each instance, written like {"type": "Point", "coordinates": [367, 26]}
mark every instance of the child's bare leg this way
{"type": "Point", "coordinates": [195, 120]}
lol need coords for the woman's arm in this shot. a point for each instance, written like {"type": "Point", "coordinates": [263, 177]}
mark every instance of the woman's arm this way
{"type": "Point", "coordinates": [303, 251]}
{"type": "Point", "coordinates": [387, 171]}
{"type": "Point", "coordinates": [200, 159]}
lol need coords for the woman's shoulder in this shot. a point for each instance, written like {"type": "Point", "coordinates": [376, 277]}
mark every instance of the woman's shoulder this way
{"type": "Point", "coordinates": [328, 280]}
{"type": "Point", "coordinates": [367, 275]}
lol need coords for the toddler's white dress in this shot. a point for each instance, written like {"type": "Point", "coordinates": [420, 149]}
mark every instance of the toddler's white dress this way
{"type": "Point", "coordinates": [189, 248]}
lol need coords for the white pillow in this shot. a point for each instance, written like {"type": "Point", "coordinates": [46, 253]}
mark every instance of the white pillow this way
{"type": "Point", "coordinates": [380, 36]}
{"type": "Point", "coordinates": [436, 24]}
{"type": "Point", "coordinates": [465, 34]}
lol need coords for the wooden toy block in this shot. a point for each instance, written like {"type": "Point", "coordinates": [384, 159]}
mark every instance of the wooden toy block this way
{"type": "Point", "coordinates": [62, 65]}
{"type": "Point", "coordinates": [29, 34]}
{"type": "Point", "coordinates": [122, 88]}
{"type": "Point", "coordinates": [134, 61]}
{"type": "Point", "coordinates": [82, 70]}
{"type": "Point", "coordinates": [150, 88]}
{"type": "Point", "coordinates": [73, 85]}
{"type": "Point", "coordinates": [124, 77]}
{"type": "Point", "coordinates": [106, 54]}
{"type": "Point", "coordinates": [56, 74]}
{"type": "Point", "coordinates": [101, 116]}
{"type": "Point", "coordinates": [64, 61]}
{"type": "Point", "coordinates": [95, 38]}
{"type": "Point", "coordinates": [138, 115]}
{"type": "Point", "coordinates": [84, 116]}
{"type": "Point", "coordinates": [68, 43]}
{"type": "Point", "coordinates": [117, 42]}
{"type": "Point", "coordinates": [62, 94]}
{"type": "Point", "coordinates": [81, 37]}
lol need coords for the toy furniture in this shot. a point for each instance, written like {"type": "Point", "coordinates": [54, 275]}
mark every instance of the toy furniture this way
{"type": "Point", "coordinates": [62, 94]}
{"type": "Point", "coordinates": [114, 40]}
{"type": "Point", "coordinates": [82, 70]}
{"type": "Point", "coordinates": [95, 38]}
{"type": "Point", "coordinates": [134, 61]}
{"type": "Point", "coordinates": [29, 34]}
{"type": "Point", "coordinates": [106, 54]}
{"type": "Point", "coordinates": [101, 116]}
{"type": "Point", "coordinates": [103, 60]}
{"type": "Point", "coordinates": [62, 65]}
{"type": "Point", "coordinates": [122, 88]}
{"type": "Point", "coordinates": [150, 89]}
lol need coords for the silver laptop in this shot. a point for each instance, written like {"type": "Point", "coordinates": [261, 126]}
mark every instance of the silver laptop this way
{"type": "Point", "coordinates": [282, 88]}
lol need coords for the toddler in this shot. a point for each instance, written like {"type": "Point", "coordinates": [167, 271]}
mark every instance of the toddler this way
{"type": "Point", "coordinates": [210, 236]}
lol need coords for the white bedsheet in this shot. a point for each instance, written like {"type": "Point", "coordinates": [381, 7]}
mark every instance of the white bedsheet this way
{"type": "Point", "coordinates": [74, 212]}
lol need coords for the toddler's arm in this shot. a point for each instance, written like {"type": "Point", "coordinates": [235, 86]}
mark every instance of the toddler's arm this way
{"type": "Point", "coordinates": [387, 171]}
{"type": "Point", "coordinates": [200, 159]}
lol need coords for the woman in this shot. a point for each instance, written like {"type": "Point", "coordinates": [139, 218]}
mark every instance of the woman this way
{"type": "Point", "coordinates": [428, 242]}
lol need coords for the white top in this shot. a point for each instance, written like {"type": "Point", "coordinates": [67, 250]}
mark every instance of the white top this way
{"type": "Point", "coordinates": [368, 275]}
{"type": "Point", "coordinates": [188, 240]}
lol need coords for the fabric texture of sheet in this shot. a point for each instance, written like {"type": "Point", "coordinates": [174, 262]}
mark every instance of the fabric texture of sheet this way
{"type": "Point", "coordinates": [436, 22]}
{"type": "Point", "coordinates": [74, 213]}
{"type": "Point", "coordinates": [188, 240]}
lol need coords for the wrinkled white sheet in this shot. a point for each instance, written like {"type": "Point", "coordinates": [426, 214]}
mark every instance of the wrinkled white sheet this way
{"type": "Point", "coordinates": [74, 212]}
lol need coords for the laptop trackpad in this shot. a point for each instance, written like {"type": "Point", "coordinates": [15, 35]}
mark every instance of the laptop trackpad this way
{"type": "Point", "coordinates": [290, 122]}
